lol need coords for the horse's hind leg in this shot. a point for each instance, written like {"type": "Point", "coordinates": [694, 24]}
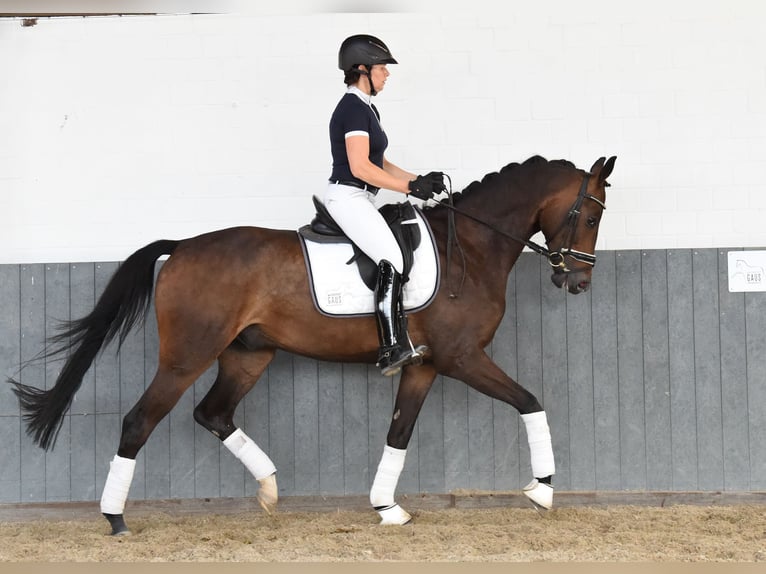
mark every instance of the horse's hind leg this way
{"type": "Point", "coordinates": [238, 371]}
{"type": "Point", "coordinates": [159, 398]}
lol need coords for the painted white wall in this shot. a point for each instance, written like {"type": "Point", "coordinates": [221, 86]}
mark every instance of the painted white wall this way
{"type": "Point", "coordinates": [115, 131]}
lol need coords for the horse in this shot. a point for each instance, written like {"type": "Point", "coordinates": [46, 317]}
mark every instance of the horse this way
{"type": "Point", "coordinates": [237, 295]}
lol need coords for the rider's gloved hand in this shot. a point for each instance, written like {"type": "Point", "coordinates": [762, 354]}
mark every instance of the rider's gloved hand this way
{"type": "Point", "coordinates": [426, 186]}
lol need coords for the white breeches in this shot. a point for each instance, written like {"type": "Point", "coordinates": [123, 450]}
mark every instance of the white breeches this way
{"type": "Point", "coordinates": [354, 210]}
{"type": "Point", "coordinates": [540, 447]}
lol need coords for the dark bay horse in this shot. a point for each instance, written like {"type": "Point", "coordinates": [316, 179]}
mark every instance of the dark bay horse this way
{"type": "Point", "coordinates": [237, 295]}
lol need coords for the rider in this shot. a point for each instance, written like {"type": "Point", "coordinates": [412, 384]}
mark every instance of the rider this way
{"type": "Point", "coordinates": [360, 168]}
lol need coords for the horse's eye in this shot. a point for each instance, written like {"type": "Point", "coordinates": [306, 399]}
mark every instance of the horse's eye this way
{"type": "Point", "coordinates": [592, 221]}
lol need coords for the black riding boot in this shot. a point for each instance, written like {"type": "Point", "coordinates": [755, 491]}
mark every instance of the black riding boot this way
{"type": "Point", "coordinates": [395, 347]}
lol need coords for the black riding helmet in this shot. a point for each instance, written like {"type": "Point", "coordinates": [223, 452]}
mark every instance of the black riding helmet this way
{"type": "Point", "coordinates": [363, 49]}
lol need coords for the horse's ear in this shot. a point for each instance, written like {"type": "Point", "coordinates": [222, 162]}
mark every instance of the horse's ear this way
{"type": "Point", "coordinates": [608, 167]}
{"type": "Point", "coordinates": [597, 166]}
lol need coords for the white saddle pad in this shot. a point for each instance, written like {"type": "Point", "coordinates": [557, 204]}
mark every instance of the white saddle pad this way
{"type": "Point", "coordinates": [338, 289]}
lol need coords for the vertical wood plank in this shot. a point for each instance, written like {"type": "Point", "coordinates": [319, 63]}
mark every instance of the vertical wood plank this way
{"type": "Point", "coordinates": [430, 438]}
{"type": "Point", "coordinates": [654, 298]}
{"type": "Point", "coordinates": [631, 381]}
{"type": "Point", "coordinates": [207, 452]}
{"type": "Point", "coordinates": [306, 426]}
{"type": "Point", "coordinates": [606, 388]}
{"type": "Point", "coordinates": [505, 418]}
{"type": "Point", "coordinates": [683, 404]}
{"type": "Point", "coordinates": [10, 454]}
{"type": "Point", "coordinates": [282, 421]}
{"type": "Point", "coordinates": [257, 425]}
{"type": "Point", "coordinates": [707, 367]}
{"type": "Point", "coordinates": [555, 375]}
{"type": "Point", "coordinates": [579, 367]}
{"type": "Point", "coordinates": [10, 337]}
{"type": "Point", "coordinates": [736, 447]}
{"type": "Point", "coordinates": [480, 441]}
{"type": "Point", "coordinates": [530, 343]}
{"type": "Point", "coordinates": [32, 281]}
{"type": "Point", "coordinates": [58, 470]}
{"type": "Point", "coordinates": [82, 421]}
{"type": "Point", "coordinates": [755, 329]}
{"type": "Point", "coordinates": [107, 364]}
{"type": "Point", "coordinates": [10, 357]}
{"type": "Point", "coordinates": [456, 456]}
{"type": "Point", "coordinates": [355, 429]}
{"type": "Point", "coordinates": [330, 404]}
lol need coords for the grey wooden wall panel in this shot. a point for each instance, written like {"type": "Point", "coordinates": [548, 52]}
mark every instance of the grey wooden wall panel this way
{"type": "Point", "coordinates": [733, 382]}
{"type": "Point", "coordinates": [505, 419]}
{"type": "Point", "coordinates": [10, 342]}
{"type": "Point", "coordinates": [10, 454]}
{"type": "Point", "coordinates": [430, 437]}
{"type": "Point", "coordinates": [330, 408]}
{"type": "Point", "coordinates": [654, 306]}
{"type": "Point", "coordinates": [355, 429]}
{"type": "Point", "coordinates": [32, 340]}
{"type": "Point", "coordinates": [707, 366]}
{"type": "Point", "coordinates": [529, 347]}
{"type": "Point", "coordinates": [554, 370]}
{"type": "Point", "coordinates": [306, 426]}
{"type": "Point", "coordinates": [652, 380]}
{"type": "Point", "coordinates": [631, 375]}
{"type": "Point", "coordinates": [755, 410]}
{"type": "Point", "coordinates": [10, 352]}
{"type": "Point", "coordinates": [57, 463]}
{"type": "Point", "coordinates": [683, 395]}
{"type": "Point", "coordinates": [606, 400]}
{"type": "Point", "coordinates": [456, 460]}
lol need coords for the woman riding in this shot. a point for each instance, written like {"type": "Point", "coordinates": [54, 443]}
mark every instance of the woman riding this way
{"type": "Point", "coordinates": [360, 168]}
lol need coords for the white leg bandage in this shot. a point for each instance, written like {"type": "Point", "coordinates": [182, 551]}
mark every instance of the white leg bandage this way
{"type": "Point", "coordinates": [540, 447]}
{"type": "Point", "coordinates": [387, 477]}
{"type": "Point", "coordinates": [254, 459]}
{"type": "Point", "coordinates": [117, 485]}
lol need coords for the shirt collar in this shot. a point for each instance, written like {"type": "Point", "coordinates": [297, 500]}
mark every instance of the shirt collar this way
{"type": "Point", "coordinates": [367, 99]}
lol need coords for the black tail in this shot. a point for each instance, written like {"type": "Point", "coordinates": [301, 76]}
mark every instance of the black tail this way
{"type": "Point", "coordinates": [123, 303]}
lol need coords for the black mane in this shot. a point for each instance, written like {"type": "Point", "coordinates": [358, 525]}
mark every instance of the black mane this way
{"type": "Point", "coordinates": [504, 171]}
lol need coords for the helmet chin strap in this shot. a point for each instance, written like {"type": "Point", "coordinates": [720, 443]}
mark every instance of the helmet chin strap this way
{"type": "Point", "coordinates": [366, 72]}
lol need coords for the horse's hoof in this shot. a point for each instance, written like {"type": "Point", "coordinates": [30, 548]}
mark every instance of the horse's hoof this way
{"type": "Point", "coordinates": [268, 494]}
{"type": "Point", "coordinates": [540, 495]}
{"type": "Point", "coordinates": [395, 515]}
{"type": "Point", "coordinates": [117, 521]}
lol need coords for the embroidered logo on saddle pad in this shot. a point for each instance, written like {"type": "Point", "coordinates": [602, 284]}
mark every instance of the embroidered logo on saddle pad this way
{"type": "Point", "coordinates": [340, 281]}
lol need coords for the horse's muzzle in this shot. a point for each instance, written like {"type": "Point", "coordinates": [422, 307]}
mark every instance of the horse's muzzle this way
{"type": "Point", "coordinates": [575, 281]}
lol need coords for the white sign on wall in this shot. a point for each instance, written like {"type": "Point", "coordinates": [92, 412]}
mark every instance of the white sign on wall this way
{"type": "Point", "coordinates": [747, 271]}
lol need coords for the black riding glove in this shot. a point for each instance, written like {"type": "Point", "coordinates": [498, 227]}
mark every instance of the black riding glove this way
{"type": "Point", "coordinates": [426, 186]}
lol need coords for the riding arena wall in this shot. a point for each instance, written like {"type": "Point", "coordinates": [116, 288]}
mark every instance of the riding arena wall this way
{"type": "Point", "coordinates": [119, 130]}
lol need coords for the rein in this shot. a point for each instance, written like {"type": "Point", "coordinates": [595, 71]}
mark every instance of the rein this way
{"type": "Point", "coordinates": [555, 258]}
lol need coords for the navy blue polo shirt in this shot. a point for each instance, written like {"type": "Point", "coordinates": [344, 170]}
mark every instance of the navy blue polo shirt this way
{"type": "Point", "coordinates": [353, 115]}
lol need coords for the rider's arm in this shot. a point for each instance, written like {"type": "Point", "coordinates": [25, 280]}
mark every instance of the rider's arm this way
{"type": "Point", "coordinates": [391, 177]}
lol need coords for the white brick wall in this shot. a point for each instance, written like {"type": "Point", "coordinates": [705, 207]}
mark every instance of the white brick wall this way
{"type": "Point", "coordinates": [118, 131]}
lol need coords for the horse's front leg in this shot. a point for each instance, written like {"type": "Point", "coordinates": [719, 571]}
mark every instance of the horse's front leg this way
{"type": "Point", "coordinates": [481, 373]}
{"type": "Point", "coordinates": [414, 385]}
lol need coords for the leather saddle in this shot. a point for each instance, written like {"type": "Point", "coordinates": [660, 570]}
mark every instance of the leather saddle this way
{"type": "Point", "coordinates": [402, 220]}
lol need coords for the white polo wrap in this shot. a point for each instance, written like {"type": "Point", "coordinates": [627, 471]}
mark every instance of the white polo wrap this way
{"type": "Point", "coordinates": [117, 485]}
{"type": "Point", "coordinates": [254, 459]}
{"type": "Point", "coordinates": [540, 447]}
{"type": "Point", "coordinates": [387, 477]}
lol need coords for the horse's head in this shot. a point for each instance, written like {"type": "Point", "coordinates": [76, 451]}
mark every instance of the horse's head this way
{"type": "Point", "coordinates": [570, 222]}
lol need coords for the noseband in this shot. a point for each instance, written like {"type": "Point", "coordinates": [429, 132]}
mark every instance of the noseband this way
{"type": "Point", "coordinates": [555, 258]}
